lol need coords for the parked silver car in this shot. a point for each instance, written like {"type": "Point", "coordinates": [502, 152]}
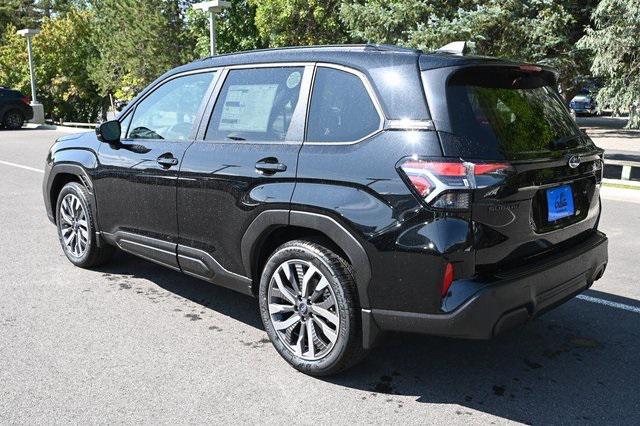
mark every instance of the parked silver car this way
{"type": "Point", "coordinates": [584, 103]}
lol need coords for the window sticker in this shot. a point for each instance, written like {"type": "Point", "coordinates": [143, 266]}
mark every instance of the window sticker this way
{"type": "Point", "coordinates": [247, 108]}
{"type": "Point", "coordinates": [294, 79]}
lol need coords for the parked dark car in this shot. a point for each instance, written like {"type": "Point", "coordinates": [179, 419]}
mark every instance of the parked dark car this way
{"type": "Point", "coordinates": [352, 189]}
{"type": "Point", "coordinates": [15, 109]}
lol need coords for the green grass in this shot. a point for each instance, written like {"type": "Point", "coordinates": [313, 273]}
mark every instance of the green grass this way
{"type": "Point", "coordinates": [621, 185]}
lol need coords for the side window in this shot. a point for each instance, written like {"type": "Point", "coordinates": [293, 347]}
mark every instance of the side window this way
{"type": "Point", "coordinates": [341, 109]}
{"type": "Point", "coordinates": [256, 105]}
{"type": "Point", "coordinates": [169, 112]}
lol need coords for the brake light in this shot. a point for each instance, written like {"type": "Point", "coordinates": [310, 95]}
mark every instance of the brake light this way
{"type": "Point", "coordinates": [530, 68]}
{"type": "Point", "coordinates": [446, 184]}
{"type": "Point", "coordinates": [26, 100]}
{"type": "Point", "coordinates": [447, 279]}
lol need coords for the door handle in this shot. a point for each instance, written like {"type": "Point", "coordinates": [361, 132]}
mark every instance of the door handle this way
{"type": "Point", "coordinates": [270, 166]}
{"type": "Point", "coordinates": [167, 160]}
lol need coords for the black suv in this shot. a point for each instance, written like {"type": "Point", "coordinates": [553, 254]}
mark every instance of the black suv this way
{"type": "Point", "coordinates": [351, 189]}
{"type": "Point", "coordinates": [15, 109]}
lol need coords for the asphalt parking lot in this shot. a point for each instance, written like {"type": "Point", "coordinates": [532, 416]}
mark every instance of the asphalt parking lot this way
{"type": "Point", "coordinates": [135, 342]}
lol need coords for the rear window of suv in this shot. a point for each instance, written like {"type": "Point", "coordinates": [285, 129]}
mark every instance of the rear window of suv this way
{"type": "Point", "coordinates": [508, 113]}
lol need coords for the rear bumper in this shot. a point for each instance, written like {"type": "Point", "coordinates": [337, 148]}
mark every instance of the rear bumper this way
{"type": "Point", "coordinates": [584, 110]}
{"type": "Point", "coordinates": [507, 300]}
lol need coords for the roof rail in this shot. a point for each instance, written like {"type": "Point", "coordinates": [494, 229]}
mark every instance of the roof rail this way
{"type": "Point", "coordinates": [272, 49]}
{"type": "Point", "coordinates": [377, 47]}
{"type": "Point", "coordinates": [392, 48]}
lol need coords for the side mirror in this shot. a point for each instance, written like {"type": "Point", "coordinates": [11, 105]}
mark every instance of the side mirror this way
{"type": "Point", "coordinates": [109, 131]}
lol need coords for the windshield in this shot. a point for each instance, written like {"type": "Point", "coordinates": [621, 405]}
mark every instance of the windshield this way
{"type": "Point", "coordinates": [508, 114]}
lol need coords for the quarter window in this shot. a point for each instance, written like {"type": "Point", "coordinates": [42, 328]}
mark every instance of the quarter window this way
{"type": "Point", "coordinates": [124, 126]}
{"type": "Point", "coordinates": [170, 111]}
{"type": "Point", "coordinates": [256, 104]}
{"type": "Point", "coordinates": [341, 109]}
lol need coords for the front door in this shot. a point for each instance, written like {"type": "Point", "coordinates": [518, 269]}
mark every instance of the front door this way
{"type": "Point", "coordinates": [136, 182]}
{"type": "Point", "coordinates": [243, 162]}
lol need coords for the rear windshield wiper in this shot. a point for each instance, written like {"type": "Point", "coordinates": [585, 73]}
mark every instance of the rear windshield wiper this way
{"type": "Point", "coordinates": [563, 142]}
{"type": "Point", "coordinates": [236, 138]}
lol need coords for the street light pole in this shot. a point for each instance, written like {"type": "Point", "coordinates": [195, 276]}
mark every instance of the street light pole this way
{"type": "Point", "coordinates": [212, 32]}
{"type": "Point", "coordinates": [212, 7]}
{"type": "Point", "coordinates": [33, 76]}
{"type": "Point", "coordinates": [38, 109]}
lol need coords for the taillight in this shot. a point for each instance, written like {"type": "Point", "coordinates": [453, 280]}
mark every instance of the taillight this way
{"type": "Point", "coordinates": [530, 68]}
{"type": "Point", "coordinates": [447, 184]}
{"type": "Point", "coordinates": [26, 100]}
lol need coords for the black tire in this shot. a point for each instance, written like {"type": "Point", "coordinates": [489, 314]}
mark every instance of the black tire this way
{"type": "Point", "coordinates": [96, 252]}
{"type": "Point", "coordinates": [13, 119]}
{"type": "Point", "coordinates": [347, 349]}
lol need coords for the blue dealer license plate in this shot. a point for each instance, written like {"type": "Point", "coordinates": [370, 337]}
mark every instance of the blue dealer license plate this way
{"type": "Point", "coordinates": [560, 202]}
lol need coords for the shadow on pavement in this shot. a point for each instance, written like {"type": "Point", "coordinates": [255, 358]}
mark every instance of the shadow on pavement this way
{"type": "Point", "coordinates": [601, 122]}
{"type": "Point", "coordinates": [620, 134]}
{"type": "Point", "coordinates": [227, 302]}
{"type": "Point", "coordinates": [622, 156]}
{"type": "Point", "coordinates": [578, 363]}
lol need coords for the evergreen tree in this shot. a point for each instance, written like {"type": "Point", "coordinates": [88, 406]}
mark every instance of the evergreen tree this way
{"type": "Point", "coordinates": [535, 31]}
{"type": "Point", "coordinates": [137, 41]}
{"type": "Point", "coordinates": [17, 13]}
{"type": "Point", "coordinates": [615, 41]}
{"type": "Point", "coordinates": [235, 29]}
{"type": "Point", "coordinates": [299, 22]}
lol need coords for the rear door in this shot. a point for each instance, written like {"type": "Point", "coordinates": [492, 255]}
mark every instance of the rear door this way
{"type": "Point", "coordinates": [513, 116]}
{"type": "Point", "coordinates": [243, 162]}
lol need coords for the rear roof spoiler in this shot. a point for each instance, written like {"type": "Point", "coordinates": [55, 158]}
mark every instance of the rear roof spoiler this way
{"type": "Point", "coordinates": [458, 48]}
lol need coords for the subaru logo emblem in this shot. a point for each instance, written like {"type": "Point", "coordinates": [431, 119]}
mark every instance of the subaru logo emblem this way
{"type": "Point", "coordinates": [574, 161]}
{"type": "Point", "coordinates": [303, 309]}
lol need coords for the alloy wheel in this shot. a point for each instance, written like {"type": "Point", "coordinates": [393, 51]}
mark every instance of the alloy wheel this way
{"type": "Point", "coordinates": [303, 309]}
{"type": "Point", "coordinates": [74, 227]}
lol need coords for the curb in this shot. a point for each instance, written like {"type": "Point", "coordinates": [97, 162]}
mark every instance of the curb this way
{"type": "Point", "coordinates": [32, 126]}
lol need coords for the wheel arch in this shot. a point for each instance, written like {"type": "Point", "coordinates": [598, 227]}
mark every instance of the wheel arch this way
{"type": "Point", "coordinates": [61, 175]}
{"type": "Point", "coordinates": [272, 228]}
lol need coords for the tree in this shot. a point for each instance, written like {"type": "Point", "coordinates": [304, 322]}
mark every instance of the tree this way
{"type": "Point", "coordinates": [29, 13]}
{"type": "Point", "coordinates": [391, 21]}
{"type": "Point", "coordinates": [235, 29]}
{"type": "Point", "coordinates": [299, 22]}
{"type": "Point", "coordinates": [18, 14]}
{"type": "Point", "coordinates": [137, 41]}
{"type": "Point", "coordinates": [14, 71]}
{"type": "Point", "coordinates": [534, 31]}
{"type": "Point", "coordinates": [616, 46]}
{"type": "Point", "coordinates": [61, 52]}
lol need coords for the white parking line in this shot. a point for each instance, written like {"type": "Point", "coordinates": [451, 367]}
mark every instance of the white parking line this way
{"type": "Point", "coordinates": [609, 303]}
{"type": "Point", "coordinates": [20, 166]}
